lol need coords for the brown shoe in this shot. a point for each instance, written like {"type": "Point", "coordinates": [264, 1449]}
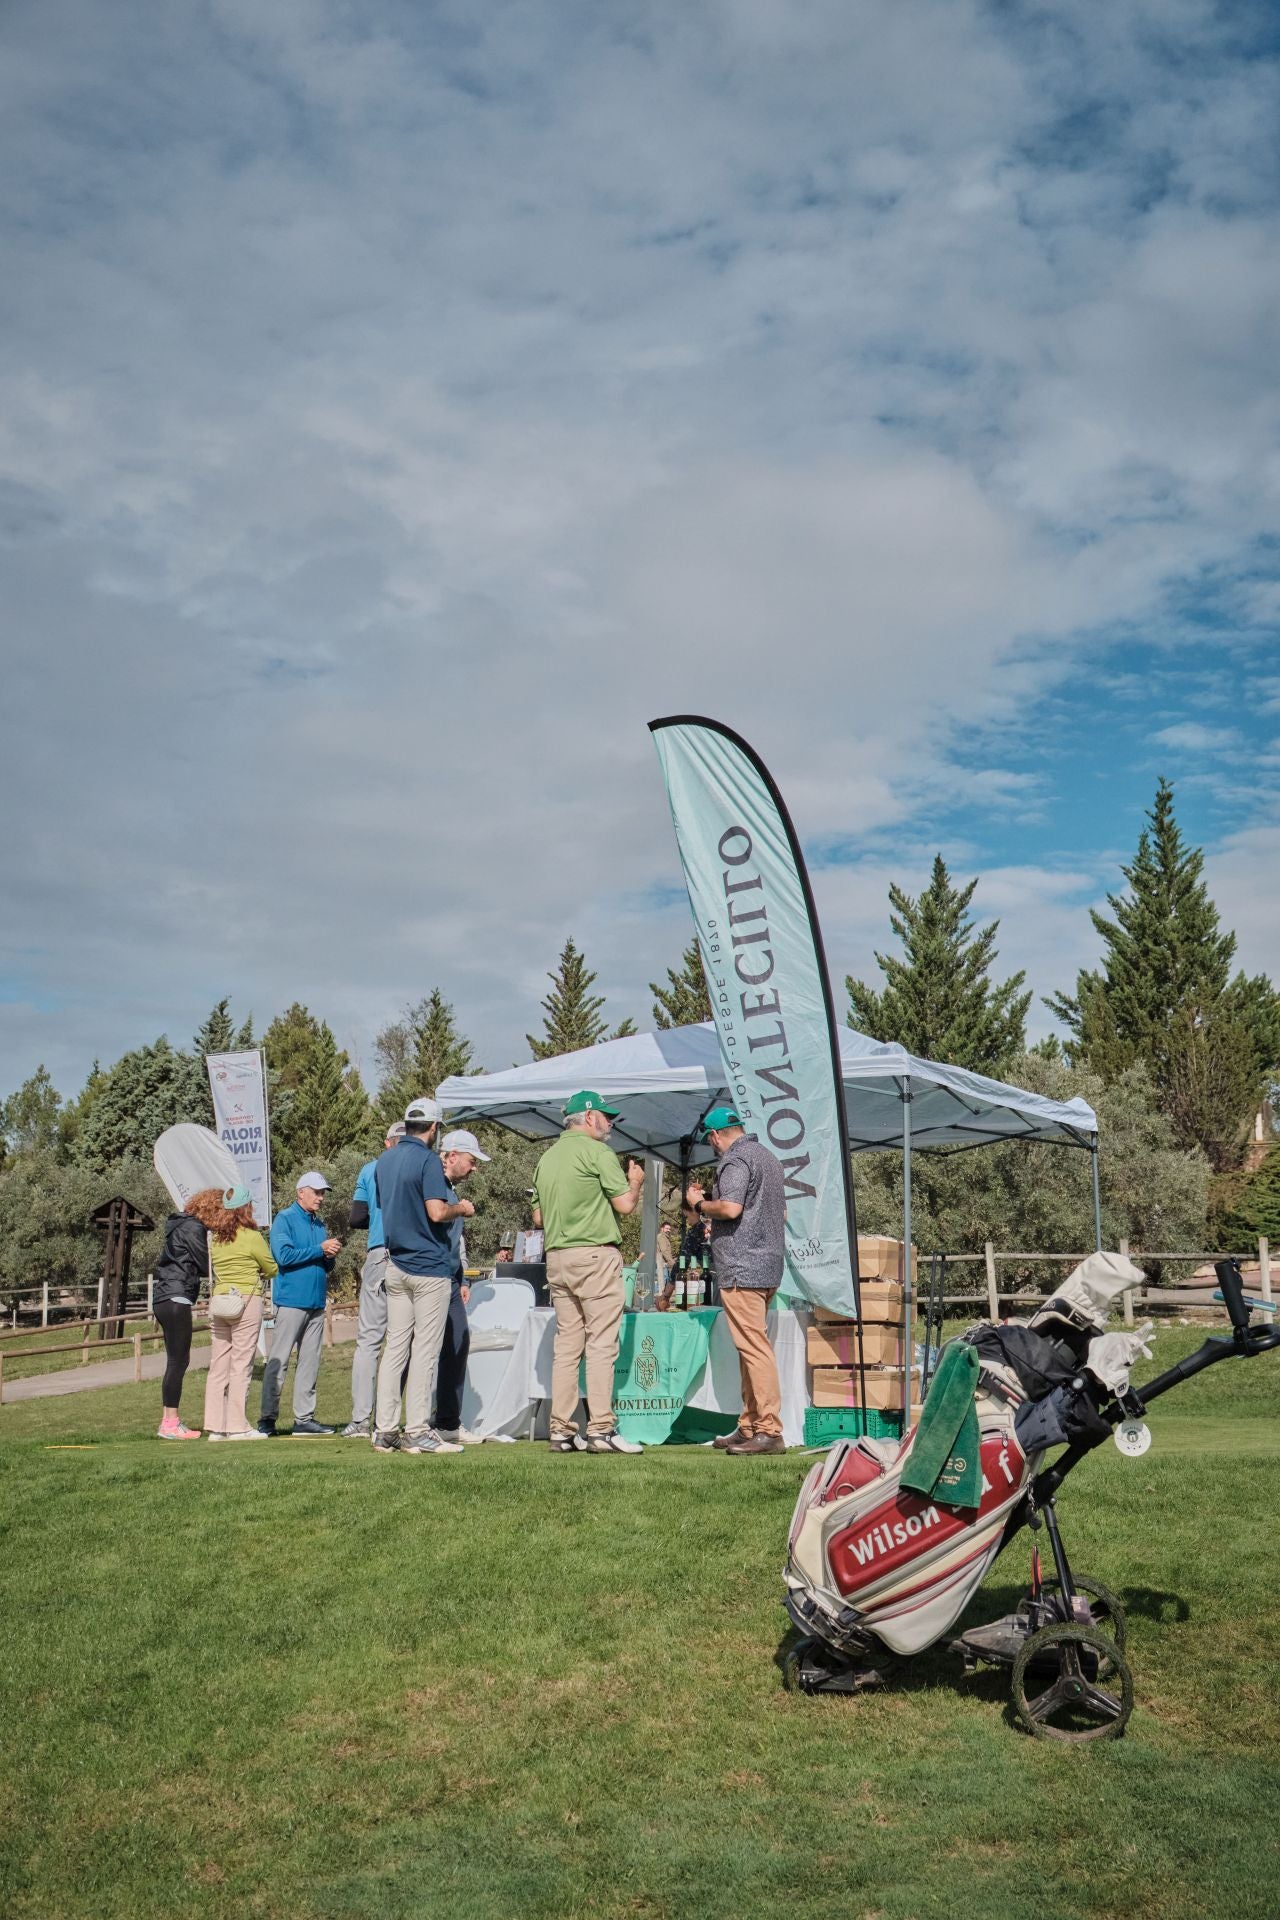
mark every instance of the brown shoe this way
{"type": "Point", "coordinates": [724, 1440]}
{"type": "Point", "coordinates": [759, 1443]}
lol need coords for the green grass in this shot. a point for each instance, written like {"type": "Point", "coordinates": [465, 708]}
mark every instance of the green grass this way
{"type": "Point", "coordinates": [302, 1680]}
{"type": "Point", "coordinates": [25, 1352]}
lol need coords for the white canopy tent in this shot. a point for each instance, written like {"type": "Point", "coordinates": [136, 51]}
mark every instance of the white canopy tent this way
{"type": "Point", "coordinates": [663, 1083]}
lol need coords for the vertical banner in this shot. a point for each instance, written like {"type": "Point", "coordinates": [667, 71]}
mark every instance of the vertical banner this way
{"type": "Point", "coordinates": [770, 996]}
{"type": "Point", "coordinates": [238, 1084]}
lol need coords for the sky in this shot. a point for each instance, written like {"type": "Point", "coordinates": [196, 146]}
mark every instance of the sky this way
{"type": "Point", "coordinates": [401, 404]}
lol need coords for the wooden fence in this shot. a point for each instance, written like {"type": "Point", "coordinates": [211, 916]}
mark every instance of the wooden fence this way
{"type": "Point", "coordinates": [990, 1259]}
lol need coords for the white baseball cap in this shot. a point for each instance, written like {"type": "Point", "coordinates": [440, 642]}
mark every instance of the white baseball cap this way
{"type": "Point", "coordinates": [421, 1110]}
{"type": "Point", "coordinates": [462, 1142]}
{"type": "Point", "coordinates": [396, 1130]}
{"type": "Point", "coordinates": [316, 1181]}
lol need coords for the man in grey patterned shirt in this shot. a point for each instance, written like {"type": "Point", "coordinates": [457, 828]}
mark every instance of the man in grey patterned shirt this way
{"type": "Point", "coordinates": [748, 1226]}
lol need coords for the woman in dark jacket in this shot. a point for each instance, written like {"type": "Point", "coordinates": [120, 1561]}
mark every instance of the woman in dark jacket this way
{"type": "Point", "coordinates": [176, 1280]}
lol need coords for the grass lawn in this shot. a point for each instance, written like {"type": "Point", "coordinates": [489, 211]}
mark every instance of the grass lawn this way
{"type": "Point", "coordinates": [302, 1680]}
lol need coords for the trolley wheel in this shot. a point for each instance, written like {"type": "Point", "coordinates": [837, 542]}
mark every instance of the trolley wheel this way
{"type": "Point", "coordinates": [791, 1663]}
{"type": "Point", "coordinates": [1107, 1611]}
{"type": "Point", "coordinates": [1072, 1683]}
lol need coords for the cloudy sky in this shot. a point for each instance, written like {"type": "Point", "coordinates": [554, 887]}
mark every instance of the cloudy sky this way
{"type": "Point", "coordinates": [402, 403]}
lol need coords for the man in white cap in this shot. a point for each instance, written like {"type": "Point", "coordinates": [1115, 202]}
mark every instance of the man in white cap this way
{"type": "Point", "coordinates": [371, 1313]}
{"type": "Point", "coordinates": [422, 1223]}
{"type": "Point", "coordinates": [459, 1156]}
{"type": "Point", "coordinates": [304, 1250]}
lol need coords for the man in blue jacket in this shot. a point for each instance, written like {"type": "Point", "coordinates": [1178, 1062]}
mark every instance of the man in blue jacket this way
{"type": "Point", "coordinates": [371, 1314]}
{"type": "Point", "coordinates": [304, 1250]}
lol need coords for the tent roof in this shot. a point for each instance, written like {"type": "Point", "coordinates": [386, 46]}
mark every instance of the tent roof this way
{"type": "Point", "coordinates": [664, 1083]}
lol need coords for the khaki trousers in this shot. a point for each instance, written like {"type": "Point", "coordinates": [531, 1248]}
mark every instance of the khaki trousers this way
{"type": "Point", "coordinates": [226, 1388]}
{"type": "Point", "coordinates": [745, 1310]}
{"type": "Point", "coordinates": [417, 1308]}
{"type": "Point", "coordinates": [585, 1285]}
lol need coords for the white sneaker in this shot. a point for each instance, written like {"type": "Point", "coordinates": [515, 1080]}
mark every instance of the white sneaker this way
{"type": "Point", "coordinates": [612, 1443]}
{"type": "Point", "coordinates": [428, 1441]}
{"type": "Point", "coordinates": [462, 1435]}
{"type": "Point", "coordinates": [250, 1433]}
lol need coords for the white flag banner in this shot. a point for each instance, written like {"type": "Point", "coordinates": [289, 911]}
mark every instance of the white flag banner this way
{"type": "Point", "coordinates": [190, 1159]}
{"type": "Point", "coordinates": [238, 1084]}
{"type": "Point", "coordinates": [770, 995]}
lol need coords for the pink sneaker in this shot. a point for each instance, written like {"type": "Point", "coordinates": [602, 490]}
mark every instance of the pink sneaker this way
{"type": "Point", "coordinates": [174, 1430]}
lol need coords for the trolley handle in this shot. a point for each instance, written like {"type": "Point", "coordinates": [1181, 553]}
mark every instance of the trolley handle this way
{"type": "Point", "coordinates": [1231, 1280]}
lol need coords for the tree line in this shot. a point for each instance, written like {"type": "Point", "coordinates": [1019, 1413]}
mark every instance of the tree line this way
{"type": "Point", "coordinates": [1174, 1049]}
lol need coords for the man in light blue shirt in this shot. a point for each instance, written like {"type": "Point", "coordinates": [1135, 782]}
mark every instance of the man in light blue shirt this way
{"type": "Point", "coordinates": [371, 1319]}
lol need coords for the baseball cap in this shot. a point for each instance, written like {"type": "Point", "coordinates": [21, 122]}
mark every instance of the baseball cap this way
{"type": "Point", "coordinates": [420, 1110]}
{"type": "Point", "coordinates": [395, 1131]}
{"type": "Point", "coordinates": [588, 1102]}
{"type": "Point", "coordinates": [314, 1180]}
{"type": "Point", "coordinates": [462, 1142]}
{"type": "Point", "coordinates": [721, 1117]}
{"type": "Point", "coordinates": [236, 1197]}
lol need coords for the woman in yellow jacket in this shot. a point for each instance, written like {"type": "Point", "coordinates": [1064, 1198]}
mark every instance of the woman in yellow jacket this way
{"type": "Point", "coordinates": [243, 1266]}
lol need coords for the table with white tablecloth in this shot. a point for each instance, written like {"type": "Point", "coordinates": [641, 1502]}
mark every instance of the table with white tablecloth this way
{"type": "Point", "coordinates": [518, 1402]}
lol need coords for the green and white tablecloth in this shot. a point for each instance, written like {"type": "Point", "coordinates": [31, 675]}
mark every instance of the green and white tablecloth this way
{"type": "Point", "coordinates": [661, 1359]}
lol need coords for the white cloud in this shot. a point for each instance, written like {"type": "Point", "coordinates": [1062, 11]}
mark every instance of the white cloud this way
{"type": "Point", "coordinates": [399, 412]}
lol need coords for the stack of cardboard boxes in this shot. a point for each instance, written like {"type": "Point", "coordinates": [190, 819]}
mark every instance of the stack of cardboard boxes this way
{"type": "Point", "coordinates": [833, 1338]}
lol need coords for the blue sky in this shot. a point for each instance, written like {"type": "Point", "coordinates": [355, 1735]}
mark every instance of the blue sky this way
{"type": "Point", "coordinates": [402, 404]}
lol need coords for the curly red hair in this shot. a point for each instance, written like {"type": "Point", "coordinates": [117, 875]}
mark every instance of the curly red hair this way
{"type": "Point", "coordinates": [223, 1222]}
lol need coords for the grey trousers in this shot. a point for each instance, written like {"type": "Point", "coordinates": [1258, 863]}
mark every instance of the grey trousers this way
{"type": "Point", "coordinates": [371, 1331]}
{"type": "Point", "coordinates": [303, 1328]}
{"type": "Point", "coordinates": [417, 1308]}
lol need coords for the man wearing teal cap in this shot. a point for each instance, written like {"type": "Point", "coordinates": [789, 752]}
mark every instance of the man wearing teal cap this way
{"type": "Point", "coordinates": [579, 1191]}
{"type": "Point", "coordinates": [748, 1230]}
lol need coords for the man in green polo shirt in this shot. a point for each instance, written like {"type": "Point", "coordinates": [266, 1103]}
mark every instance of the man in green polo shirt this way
{"type": "Point", "coordinates": [579, 1192]}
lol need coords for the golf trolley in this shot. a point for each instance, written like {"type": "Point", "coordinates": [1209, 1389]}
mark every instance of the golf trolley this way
{"type": "Point", "coordinates": [877, 1574]}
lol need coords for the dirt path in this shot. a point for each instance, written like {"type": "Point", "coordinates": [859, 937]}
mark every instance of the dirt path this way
{"type": "Point", "coordinates": [119, 1373]}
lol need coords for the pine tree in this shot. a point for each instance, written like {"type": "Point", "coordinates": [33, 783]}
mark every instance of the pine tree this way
{"type": "Point", "coordinates": [417, 1052]}
{"type": "Point", "coordinates": [146, 1091]}
{"type": "Point", "coordinates": [1164, 996]}
{"type": "Point", "coordinates": [317, 1101]}
{"type": "Point", "coordinates": [328, 1110]}
{"type": "Point", "coordinates": [684, 1001]}
{"type": "Point", "coordinates": [573, 1013]}
{"type": "Point", "coordinates": [939, 1001]}
{"type": "Point", "coordinates": [1256, 1212]}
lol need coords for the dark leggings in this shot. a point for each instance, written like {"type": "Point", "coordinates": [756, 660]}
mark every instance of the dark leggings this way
{"type": "Point", "coordinates": [175, 1324]}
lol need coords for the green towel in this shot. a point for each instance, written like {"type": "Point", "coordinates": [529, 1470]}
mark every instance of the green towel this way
{"type": "Point", "coordinates": [945, 1465]}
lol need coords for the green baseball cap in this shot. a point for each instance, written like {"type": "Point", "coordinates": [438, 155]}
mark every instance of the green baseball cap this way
{"type": "Point", "coordinates": [721, 1117]}
{"type": "Point", "coordinates": [588, 1102]}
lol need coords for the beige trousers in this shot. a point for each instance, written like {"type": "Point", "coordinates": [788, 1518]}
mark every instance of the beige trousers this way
{"type": "Point", "coordinates": [745, 1310]}
{"type": "Point", "coordinates": [226, 1388]}
{"type": "Point", "coordinates": [417, 1309]}
{"type": "Point", "coordinates": [585, 1285]}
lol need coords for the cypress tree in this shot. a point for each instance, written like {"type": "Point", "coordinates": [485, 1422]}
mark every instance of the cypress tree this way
{"type": "Point", "coordinates": [417, 1052]}
{"type": "Point", "coordinates": [573, 1017]}
{"type": "Point", "coordinates": [328, 1110]}
{"type": "Point", "coordinates": [938, 999]}
{"type": "Point", "coordinates": [1164, 996]}
{"type": "Point", "coordinates": [684, 1001]}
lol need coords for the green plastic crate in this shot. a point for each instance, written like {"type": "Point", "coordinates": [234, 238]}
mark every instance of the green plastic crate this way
{"type": "Point", "coordinates": [823, 1425]}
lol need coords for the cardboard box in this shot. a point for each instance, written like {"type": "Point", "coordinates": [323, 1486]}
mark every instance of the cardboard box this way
{"type": "Point", "coordinates": [881, 1302]}
{"type": "Point", "coordinates": [831, 1345]}
{"type": "Point", "coordinates": [841, 1387]}
{"type": "Point", "coordinates": [880, 1258]}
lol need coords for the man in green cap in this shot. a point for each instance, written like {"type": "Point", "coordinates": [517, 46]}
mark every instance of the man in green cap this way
{"type": "Point", "coordinates": [748, 1216]}
{"type": "Point", "coordinates": [579, 1192]}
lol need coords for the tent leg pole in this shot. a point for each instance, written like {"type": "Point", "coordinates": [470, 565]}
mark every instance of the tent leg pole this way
{"type": "Point", "coordinates": [907, 1316]}
{"type": "Point", "coordinates": [1097, 1199]}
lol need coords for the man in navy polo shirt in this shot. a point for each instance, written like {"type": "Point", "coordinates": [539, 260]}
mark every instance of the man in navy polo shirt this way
{"type": "Point", "coordinates": [421, 1223]}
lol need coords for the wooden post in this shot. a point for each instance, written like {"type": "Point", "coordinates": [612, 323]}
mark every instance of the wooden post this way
{"type": "Point", "coordinates": [1, 1379]}
{"type": "Point", "coordinates": [328, 1323]}
{"type": "Point", "coordinates": [1127, 1296]}
{"type": "Point", "coordinates": [150, 1296]}
{"type": "Point", "coordinates": [84, 1347]}
{"type": "Point", "coordinates": [102, 1281]}
{"type": "Point", "coordinates": [44, 1304]}
{"type": "Point", "coordinates": [137, 1356]}
{"type": "Point", "coordinates": [1264, 1267]}
{"type": "Point", "coordinates": [993, 1298]}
